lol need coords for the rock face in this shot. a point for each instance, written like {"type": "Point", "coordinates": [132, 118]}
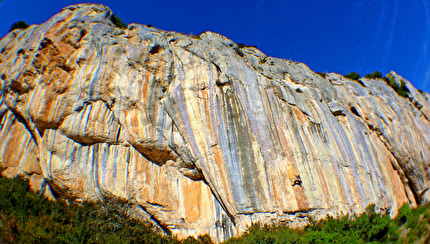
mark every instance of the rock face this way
{"type": "Point", "coordinates": [203, 136]}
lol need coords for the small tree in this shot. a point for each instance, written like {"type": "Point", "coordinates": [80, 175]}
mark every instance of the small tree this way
{"type": "Point", "coordinates": [322, 74]}
{"type": "Point", "coordinates": [241, 45]}
{"type": "Point", "coordinates": [401, 88]}
{"type": "Point", "coordinates": [374, 75]}
{"type": "Point", "coordinates": [353, 76]}
{"type": "Point", "coordinates": [118, 21]}
{"type": "Point", "coordinates": [19, 25]}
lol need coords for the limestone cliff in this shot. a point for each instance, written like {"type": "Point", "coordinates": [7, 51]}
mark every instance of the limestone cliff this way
{"type": "Point", "coordinates": [203, 136]}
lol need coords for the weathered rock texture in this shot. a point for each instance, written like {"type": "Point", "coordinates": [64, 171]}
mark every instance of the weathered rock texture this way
{"type": "Point", "coordinates": [202, 135]}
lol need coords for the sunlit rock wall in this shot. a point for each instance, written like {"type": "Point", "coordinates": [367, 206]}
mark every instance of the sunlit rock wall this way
{"type": "Point", "coordinates": [203, 136]}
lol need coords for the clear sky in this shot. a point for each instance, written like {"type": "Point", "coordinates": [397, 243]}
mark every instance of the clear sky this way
{"type": "Point", "coordinates": [334, 36]}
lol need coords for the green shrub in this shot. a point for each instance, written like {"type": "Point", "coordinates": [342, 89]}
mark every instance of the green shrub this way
{"type": "Point", "coordinates": [196, 37]}
{"type": "Point", "coordinates": [263, 60]}
{"type": "Point", "coordinates": [19, 25]}
{"type": "Point", "coordinates": [322, 74]}
{"type": "Point", "coordinates": [299, 90]}
{"type": "Point", "coordinates": [241, 45]}
{"type": "Point", "coordinates": [238, 51]}
{"type": "Point", "coordinates": [369, 227]}
{"type": "Point", "coordinates": [117, 21]}
{"type": "Point", "coordinates": [26, 217]}
{"type": "Point", "coordinates": [401, 88]}
{"type": "Point", "coordinates": [353, 76]}
{"type": "Point", "coordinates": [374, 75]}
{"type": "Point", "coordinates": [415, 221]}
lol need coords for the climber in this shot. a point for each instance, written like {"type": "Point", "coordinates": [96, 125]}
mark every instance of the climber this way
{"type": "Point", "coordinates": [298, 181]}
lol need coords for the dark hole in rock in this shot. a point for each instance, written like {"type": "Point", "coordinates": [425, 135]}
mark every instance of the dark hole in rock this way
{"type": "Point", "coordinates": [83, 33]}
{"type": "Point", "coordinates": [155, 49]}
{"type": "Point", "coordinates": [65, 68]}
{"type": "Point", "coordinates": [45, 42]}
{"type": "Point", "coordinates": [361, 83]}
{"type": "Point", "coordinates": [354, 111]}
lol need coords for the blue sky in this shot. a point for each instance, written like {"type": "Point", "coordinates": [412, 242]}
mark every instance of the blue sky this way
{"type": "Point", "coordinates": [334, 36]}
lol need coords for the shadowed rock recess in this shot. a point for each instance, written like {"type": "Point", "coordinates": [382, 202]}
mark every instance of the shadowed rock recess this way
{"type": "Point", "coordinates": [202, 135]}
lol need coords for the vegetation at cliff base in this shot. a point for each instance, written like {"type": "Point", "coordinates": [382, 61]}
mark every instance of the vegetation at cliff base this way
{"type": "Point", "coordinates": [27, 217]}
{"type": "Point", "coordinates": [370, 227]}
{"type": "Point", "coordinates": [19, 25]}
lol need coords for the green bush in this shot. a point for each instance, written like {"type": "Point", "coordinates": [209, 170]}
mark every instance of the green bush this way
{"type": "Point", "coordinates": [195, 37]}
{"type": "Point", "coordinates": [263, 60]}
{"type": "Point", "coordinates": [238, 51]}
{"type": "Point", "coordinates": [322, 74]}
{"type": "Point", "coordinates": [19, 25]}
{"type": "Point", "coordinates": [117, 21]}
{"type": "Point", "coordinates": [374, 75]}
{"type": "Point", "coordinates": [370, 227]}
{"type": "Point", "coordinates": [26, 217]}
{"type": "Point", "coordinates": [241, 45]}
{"type": "Point", "coordinates": [353, 76]}
{"type": "Point", "coordinates": [401, 88]}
